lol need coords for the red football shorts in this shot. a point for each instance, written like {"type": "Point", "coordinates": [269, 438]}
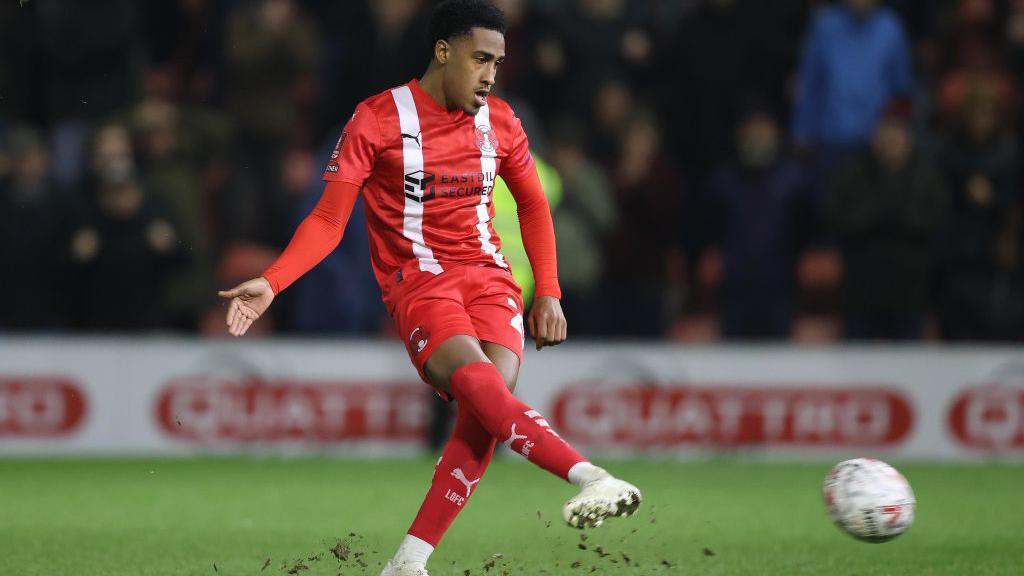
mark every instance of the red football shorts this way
{"type": "Point", "coordinates": [479, 301]}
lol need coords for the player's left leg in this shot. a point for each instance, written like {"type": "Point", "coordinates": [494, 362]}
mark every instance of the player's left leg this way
{"type": "Point", "coordinates": [496, 308]}
{"type": "Point", "coordinates": [477, 385]}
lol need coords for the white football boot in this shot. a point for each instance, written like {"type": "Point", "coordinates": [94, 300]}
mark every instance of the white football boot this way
{"type": "Point", "coordinates": [600, 498]}
{"type": "Point", "coordinates": [403, 569]}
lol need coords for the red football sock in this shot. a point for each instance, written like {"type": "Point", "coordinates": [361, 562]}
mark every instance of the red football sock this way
{"type": "Point", "coordinates": [480, 388]}
{"type": "Point", "coordinates": [461, 466]}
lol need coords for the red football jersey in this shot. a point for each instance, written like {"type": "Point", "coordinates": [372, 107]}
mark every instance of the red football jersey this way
{"type": "Point", "coordinates": [427, 174]}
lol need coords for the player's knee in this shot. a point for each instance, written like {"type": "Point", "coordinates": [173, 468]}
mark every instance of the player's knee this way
{"type": "Point", "coordinates": [510, 381]}
{"type": "Point", "coordinates": [452, 354]}
{"type": "Point", "coordinates": [506, 361]}
{"type": "Point", "coordinates": [509, 373]}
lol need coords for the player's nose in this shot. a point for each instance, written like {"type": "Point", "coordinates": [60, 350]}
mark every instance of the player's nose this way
{"type": "Point", "coordinates": [490, 73]}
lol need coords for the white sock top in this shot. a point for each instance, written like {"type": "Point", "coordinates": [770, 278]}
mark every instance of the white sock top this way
{"type": "Point", "coordinates": [412, 550]}
{"type": "Point", "coordinates": [583, 472]}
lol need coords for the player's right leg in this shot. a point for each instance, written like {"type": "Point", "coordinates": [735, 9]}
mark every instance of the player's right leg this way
{"type": "Point", "coordinates": [456, 476]}
{"type": "Point", "coordinates": [459, 368]}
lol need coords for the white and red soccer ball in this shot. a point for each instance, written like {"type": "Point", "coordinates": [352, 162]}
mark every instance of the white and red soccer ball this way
{"type": "Point", "coordinates": [869, 500]}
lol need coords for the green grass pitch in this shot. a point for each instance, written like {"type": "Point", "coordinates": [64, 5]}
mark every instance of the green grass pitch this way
{"type": "Point", "coordinates": [227, 517]}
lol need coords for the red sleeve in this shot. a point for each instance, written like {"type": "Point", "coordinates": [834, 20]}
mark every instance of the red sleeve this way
{"type": "Point", "coordinates": [538, 232]}
{"type": "Point", "coordinates": [356, 151]}
{"type": "Point", "coordinates": [518, 164]}
{"type": "Point", "coordinates": [316, 237]}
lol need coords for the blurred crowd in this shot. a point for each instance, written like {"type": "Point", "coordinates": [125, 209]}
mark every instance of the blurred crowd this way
{"type": "Point", "coordinates": [717, 169]}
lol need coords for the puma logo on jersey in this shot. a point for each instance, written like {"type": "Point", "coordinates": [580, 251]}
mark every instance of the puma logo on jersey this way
{"type": "Point", "coordinates": [415, 138]}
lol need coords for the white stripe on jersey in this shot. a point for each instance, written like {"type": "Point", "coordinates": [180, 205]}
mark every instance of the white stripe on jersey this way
{"type": "Point", "coordinates": [412, 158]}
{"type": "Point", "coordinates": [488, 165]}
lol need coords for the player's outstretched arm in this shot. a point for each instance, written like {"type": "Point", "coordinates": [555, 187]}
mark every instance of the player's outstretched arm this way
{"type": "Point", "coordinates": [315, 238]}
{"type": "Point", "coordinates": [249, 300]}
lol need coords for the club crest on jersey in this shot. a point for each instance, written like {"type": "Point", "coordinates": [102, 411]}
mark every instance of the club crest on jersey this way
{"type": "Point", "coordinates": [485, 139]}
{"type": "Point", "coordinates": [418, 339]}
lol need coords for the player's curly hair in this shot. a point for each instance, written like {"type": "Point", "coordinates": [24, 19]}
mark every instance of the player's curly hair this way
{"type": "Point", "coordinates": [453, 18]}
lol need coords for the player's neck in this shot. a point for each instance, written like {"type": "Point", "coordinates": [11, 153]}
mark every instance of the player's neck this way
{"type": "Point", "coordinates": [431, 83]}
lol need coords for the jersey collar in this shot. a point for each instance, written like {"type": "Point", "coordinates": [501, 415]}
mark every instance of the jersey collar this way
{"type": "Point", "coordinates": [426, 104]}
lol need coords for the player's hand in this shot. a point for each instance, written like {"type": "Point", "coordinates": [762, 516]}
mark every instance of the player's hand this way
{"type": "Point", "coordinates": [547, 323]}
{"type": "Point", "coordinates": [249, 300]}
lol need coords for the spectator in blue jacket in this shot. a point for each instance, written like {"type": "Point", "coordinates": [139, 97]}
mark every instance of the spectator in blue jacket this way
{"type": "Point", "coordinates": [856, 59]}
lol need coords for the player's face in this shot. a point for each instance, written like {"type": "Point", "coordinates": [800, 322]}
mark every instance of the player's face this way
{"type": "Point", "coordinates": [471, 68]}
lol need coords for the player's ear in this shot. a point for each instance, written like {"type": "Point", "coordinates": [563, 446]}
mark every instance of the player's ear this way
{"type": "Point", "coordinates": [442, 51]}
